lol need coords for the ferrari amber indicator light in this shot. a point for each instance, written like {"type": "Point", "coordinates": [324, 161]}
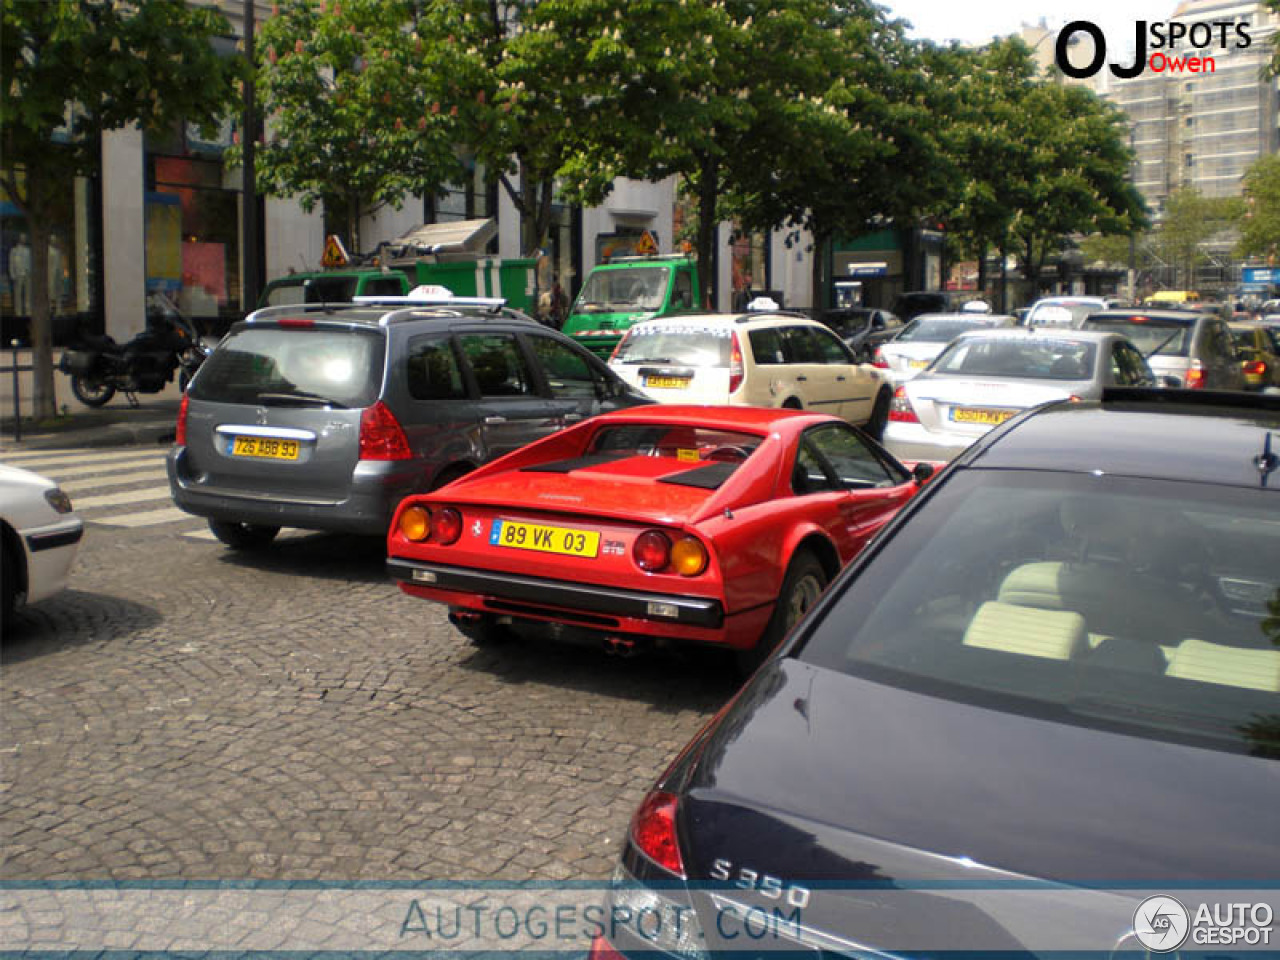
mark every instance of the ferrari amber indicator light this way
{"type": "Point", "coordinates": [415, 524]}
{"type": "Point", "coordinates": [446, 525]}
{"type": "Point", "coordinates": [652, 551]}
{"type": "Point", "coordinates": [689, 556]}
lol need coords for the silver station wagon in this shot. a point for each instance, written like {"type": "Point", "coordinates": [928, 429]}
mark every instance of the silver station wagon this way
{"type": "Point", "coordinates": [323, 416]}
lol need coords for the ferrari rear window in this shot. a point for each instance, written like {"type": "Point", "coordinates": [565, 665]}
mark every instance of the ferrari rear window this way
{"type": "Point", "coordinates": [678, 442]}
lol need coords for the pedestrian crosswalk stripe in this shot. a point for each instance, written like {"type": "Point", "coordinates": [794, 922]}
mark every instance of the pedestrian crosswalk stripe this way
{"type": "Point", "coordinates": [60, 474]}
{"type": "Point", "coordinates": [117, 499]}
{"type": "Point", "coordinates": [112, 480]}
{"type": "Point", "coordinates": [147, 518]}
{"type": "Point", "coordinates": [36, 460]}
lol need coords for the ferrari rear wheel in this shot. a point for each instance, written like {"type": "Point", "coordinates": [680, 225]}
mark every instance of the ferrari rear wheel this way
{"type": "Point", "coordinates": [805, 580]}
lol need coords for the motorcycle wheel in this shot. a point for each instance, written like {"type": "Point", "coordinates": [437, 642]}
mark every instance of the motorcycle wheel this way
{"type": "Point", "coordinates": [92, 393]}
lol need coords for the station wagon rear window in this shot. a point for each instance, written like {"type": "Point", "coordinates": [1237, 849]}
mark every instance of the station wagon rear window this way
{"type": "Point", "coordinates": [299, 365]}
{"type": "Point", "coordinates": [1151, 607]}
{"type": "Point", "coordinates": [685, 346]}
{"type": "Point", "coordinates": [1154, 336]}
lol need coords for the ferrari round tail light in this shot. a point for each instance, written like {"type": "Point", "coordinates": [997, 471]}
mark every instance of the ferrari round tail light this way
{"type": "Point", "coordinates": [689, 556]}
{"type": "Point", "coordinates": [653, 831]}
{"type": "Point", "coordinates": [180, 432]}
{"type": "Point", "coordinates": [446, 525]}
{"type": "Point", "coordinates": [1196, 377]}
{"type": "Point", "coordinates": [901, 410]}
{"type": "Point", "coordinates": [652, 551]}
{"type": "Point", "coordinates": [381, 436]}
{"type": "Point", "coordinates": [736, 372]}
{"type": "Point", "coordinates": [415, 524]}
{"type": "Point", "coordinates": [878, 361]}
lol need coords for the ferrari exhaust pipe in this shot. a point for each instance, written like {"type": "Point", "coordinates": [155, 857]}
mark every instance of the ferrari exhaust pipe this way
{"type": "Point", "coordinates": [620, 646]}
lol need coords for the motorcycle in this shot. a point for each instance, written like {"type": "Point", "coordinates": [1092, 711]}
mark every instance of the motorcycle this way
{"type": "Point", "coordinates": [146, 364]}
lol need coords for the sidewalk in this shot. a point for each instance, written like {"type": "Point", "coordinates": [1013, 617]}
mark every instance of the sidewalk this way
{"type": "Point", "coordinates": [78, 426]}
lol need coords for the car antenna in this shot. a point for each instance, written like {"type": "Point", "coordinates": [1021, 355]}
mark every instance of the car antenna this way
{"type": "Point", "coordinates": [1266, 461]}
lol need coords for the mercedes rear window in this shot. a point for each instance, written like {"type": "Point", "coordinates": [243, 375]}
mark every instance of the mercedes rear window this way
{"type": "Point", "coordinates": [1143, 605]}
{"type": "Point", "coordinates": [293, 365]}
{"type": "Point", "coordinates": [683, 345]}
{"type": "Point", "coordinates": [1154, 336]}
{"type": "Point", "coordinates": [926, 330]}
{"type": "Point", "coordinates": [1031, 358]}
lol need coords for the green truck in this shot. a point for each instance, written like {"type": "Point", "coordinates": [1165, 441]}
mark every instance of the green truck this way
{"type": "Point", "coordinates": [442, 255]}
{"type": "Point", "coordinates": [627, 290]}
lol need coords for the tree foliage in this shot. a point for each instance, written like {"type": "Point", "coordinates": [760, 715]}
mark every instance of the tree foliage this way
{"type": "Point", "coordinates": [361, 111]}
{"type": "Point", "coordinates": [1190, 220]}
{"type": "Point", "coordinates": [73, 69]}
{"type": "Point", "coordinates": [1260, 220]}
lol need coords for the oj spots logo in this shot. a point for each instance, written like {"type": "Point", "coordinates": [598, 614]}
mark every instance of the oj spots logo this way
{"type": "Point", "coordinates": [1204, 37]}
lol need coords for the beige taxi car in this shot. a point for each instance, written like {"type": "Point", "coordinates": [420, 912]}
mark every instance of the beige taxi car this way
{"type": "Point", "coordinates": [761, 359]}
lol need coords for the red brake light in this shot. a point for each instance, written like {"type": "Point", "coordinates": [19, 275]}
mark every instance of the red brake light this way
{"type": "Point", "coordinates": [878, 361]}
{"type": "Point", "coordinates": [652, 551]}
{"type": "Point", "coordinates": [446, 525]}
{"type": "Point", "coordinates": [180, 434]}
{"type": "Point", "coordinates": [381, 437]}
{"type": "Point", "coordinates": [304, 323]}
{"type": "Point", "coordinates": [653, 830]}
{"type": "Point", "coordinates": [1257, 367]}
{"type": "Point", "coordinates": [735, 364]}
{"type": "Point", "coordinates": [1139, 320]}
{"type": "Point", "coordinates": [900, 410]}
{"type": "Point", "coordinates": [1195, 377]}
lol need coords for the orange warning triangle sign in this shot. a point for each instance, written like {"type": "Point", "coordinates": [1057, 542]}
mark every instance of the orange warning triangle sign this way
{"type": "Point", "coordinates": [335, 254]}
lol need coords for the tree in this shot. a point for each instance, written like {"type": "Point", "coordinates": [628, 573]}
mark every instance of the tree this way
{"type": "Point", "coordinates": [1189, 221]}
{"type": "Point", "coordinates": [360, 113]}
{"type": "Point", "coordinates": [74, 69]}
{"type": "Point", "coordinates": [1260, 220]}
{"type": "Point", "coordinates": [859, 153]}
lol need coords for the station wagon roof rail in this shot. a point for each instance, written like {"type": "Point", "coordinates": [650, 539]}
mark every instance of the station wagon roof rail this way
{"type": "Point", "coordinates": [758, 314]}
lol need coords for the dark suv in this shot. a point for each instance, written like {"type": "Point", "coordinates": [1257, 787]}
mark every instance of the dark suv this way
{"type": "Point", "coordinates": [325, 416]}
{"type": "Point", "coordinates": [1049, 688]}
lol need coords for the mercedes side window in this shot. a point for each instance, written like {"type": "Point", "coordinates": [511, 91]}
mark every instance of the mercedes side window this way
{"type": "Point", "coordinates": [1138, 373]}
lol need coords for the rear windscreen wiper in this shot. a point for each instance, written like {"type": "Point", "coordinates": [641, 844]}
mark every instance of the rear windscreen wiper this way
{"type": "Point", "coordinates": [301, 399]}
{"type": "Point", "coordinates": [1163, 343]}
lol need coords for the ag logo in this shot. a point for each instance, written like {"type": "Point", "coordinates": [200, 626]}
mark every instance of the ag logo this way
{"type": "Point", "coordinates": [1161, 924]}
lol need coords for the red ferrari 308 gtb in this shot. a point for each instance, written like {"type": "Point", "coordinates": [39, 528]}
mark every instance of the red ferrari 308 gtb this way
{"type": "Point", "coordinates": [717, 525]}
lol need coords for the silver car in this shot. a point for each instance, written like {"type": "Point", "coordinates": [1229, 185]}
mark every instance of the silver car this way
{"type": "Point", "coordinates": [924, 337]}
{"type": "Point", "coordinates": [325, 416]}
{"type": "Point", "coordinates": [984, 377]}
{"type": "Point", "coordinates": [1186, 348]}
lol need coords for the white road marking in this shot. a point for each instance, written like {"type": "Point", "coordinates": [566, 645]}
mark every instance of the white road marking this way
{"type": "Point", "coordinates": [117, 499]}
{"type": "Point", "coordinates": [147, 518]}
{"type": "Point", "coordinates": [33, 459]}
{"type": "Point", "coordinates": [114, 480]}
{"type": "Point", "coordinates": [84, 471]}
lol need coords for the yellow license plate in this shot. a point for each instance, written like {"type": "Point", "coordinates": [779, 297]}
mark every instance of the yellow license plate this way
{"type": "Point", "coordinates": [979, 415]}
{"type": "Point", "coordinates": [917, 364]}
{"type": "Point", "coordinates": [267, 448]}
{"type": "Point", "coordinates": [535, 536]}
{"type": "Point", "coordinates": [668, 383]}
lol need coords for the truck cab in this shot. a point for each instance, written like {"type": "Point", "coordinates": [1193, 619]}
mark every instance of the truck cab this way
{"type": "Point", "coordinates": [627, 290]}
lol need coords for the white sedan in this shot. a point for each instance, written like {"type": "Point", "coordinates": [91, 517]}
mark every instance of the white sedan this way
{"type": "Point", "coordinates": [924, 337]}
{"type": "Point", "coordinates": [985, 377]}
{"type": "Point", "coordinates": [39, 536]}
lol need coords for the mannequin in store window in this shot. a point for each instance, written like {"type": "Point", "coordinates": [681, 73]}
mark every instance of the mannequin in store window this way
{"type": "Point", "coordinates": [20, 276]}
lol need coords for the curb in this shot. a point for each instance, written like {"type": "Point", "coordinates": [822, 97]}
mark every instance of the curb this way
{"type": "Point", "coordinates": [155, 431]}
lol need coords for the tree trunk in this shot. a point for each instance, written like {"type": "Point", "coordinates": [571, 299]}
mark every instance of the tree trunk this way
{"type": "Point", "coordinates": [353, 224]}
{"type": "Point", "coordinates": [43, 398]}
{"type": "Point", "coordinates": [708, 191]}
{"type": "Point", "coordinates": [817, 272]}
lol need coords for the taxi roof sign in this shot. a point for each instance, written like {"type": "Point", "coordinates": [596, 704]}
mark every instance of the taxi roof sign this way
{"type": "Point", "coordinates": [335, 254]}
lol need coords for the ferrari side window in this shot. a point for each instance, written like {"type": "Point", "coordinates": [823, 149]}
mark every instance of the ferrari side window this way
{"type": "Point", "coordinates": [809, 475]}
{"type": "Point", "coordinates": [854, 462]}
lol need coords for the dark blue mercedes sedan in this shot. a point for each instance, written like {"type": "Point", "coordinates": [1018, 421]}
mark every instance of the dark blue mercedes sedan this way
{"type": "Point", "coordinates": [1040, 714]}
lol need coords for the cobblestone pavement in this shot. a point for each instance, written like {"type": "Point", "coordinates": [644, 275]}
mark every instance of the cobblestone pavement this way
{"type": "Point", "coordinates": [188, 712]}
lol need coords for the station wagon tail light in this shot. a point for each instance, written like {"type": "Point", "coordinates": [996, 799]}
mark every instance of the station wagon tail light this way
{"type": "Point", "coordinates": [415, 524]}
{"type": "Point", "coordinates": [652, 551]}
{"type": "Point", "coordinates": [878, 361]}
{"type": "Point", "coordinates": [381, 437]}
{"type": "Point", "coordinates": [180, 432]}
{"type": "Point", "coordinates": [1196, 378]}
{"type": "Point", "coordinates": [689, 556]}
{"type": "Point", "coordinates": [446, 526]}
{"type": "Point", "coordinates": [735, 364]}
{"type": "Point", "coordinates": [653, 831]}
{"type": "Point", "coordinates": [901, 410]}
